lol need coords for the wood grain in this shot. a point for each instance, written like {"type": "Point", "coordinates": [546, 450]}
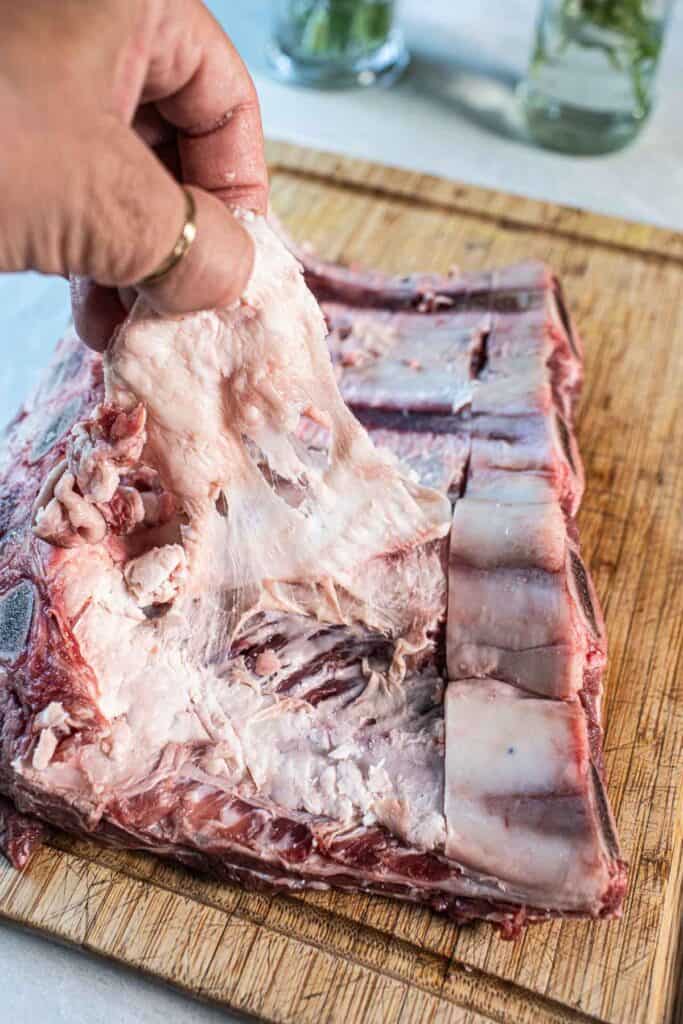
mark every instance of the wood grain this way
{"type": "Point", "coordinates": [339, 958]}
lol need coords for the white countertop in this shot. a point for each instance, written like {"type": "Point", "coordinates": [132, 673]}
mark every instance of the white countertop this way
{"type": "Point", "coordinates": [444, 118]}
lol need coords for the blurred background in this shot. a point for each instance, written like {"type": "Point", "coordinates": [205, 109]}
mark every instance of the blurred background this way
{"type": "Point", "coordinates": [456, 110]}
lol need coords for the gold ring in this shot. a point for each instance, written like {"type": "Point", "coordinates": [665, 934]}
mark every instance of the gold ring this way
{"type": "Point", "coordinates": [185, 239]}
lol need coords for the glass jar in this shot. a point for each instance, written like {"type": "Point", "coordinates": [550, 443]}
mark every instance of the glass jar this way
{"type": "Point", "coordinates": [336, 43]}
{"type": "Point", "coordinates": [591, 79]}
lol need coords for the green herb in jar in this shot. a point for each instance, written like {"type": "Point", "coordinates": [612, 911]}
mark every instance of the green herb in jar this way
{"type": "Point", "coordinates": [624, 30]}
{"type": "Point", "coordinates": [341, 28]}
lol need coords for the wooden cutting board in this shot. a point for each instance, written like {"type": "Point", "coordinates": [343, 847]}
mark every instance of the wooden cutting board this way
{"type": "Point", "coordinates": [355, 959]}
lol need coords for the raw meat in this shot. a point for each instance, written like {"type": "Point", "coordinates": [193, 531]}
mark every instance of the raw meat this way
{"type": "Point", "coordinates": [20, 836]}
{"type": "Point", "coordinates": [236, 631]}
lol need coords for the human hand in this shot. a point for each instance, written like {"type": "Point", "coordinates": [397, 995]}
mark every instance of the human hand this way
{"type": "Point", "coordinates": [105, 107]}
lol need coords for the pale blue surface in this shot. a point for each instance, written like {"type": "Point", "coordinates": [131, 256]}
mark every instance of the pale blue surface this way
{"type": "Point", "coordinates": [441, 119]}
{"type": "Point", "coordinates": [33, 312]}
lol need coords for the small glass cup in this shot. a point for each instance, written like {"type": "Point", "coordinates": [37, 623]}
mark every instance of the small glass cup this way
{"type": "Point", "coordinates": [590, 85]}
{"type": "Point", "coordinates": [337, 43]}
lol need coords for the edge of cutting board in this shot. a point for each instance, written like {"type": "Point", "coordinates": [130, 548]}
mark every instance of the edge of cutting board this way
{"type": "Point", "coordinates": [508, 210]}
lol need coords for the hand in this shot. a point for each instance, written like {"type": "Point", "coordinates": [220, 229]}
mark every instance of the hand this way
{"type": "Point", "coordinates": [104, 107]}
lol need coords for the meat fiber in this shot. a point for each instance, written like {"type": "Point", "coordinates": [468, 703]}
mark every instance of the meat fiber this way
{"type": "Point", "coordinates": [296, 645]}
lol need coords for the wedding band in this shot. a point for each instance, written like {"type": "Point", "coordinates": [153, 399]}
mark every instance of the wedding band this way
{"type": "Point", "coordinates": [185, 239]}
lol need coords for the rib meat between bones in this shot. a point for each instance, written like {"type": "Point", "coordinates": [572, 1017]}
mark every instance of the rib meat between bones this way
{"type": "Point", "coordinates": [246, 637]}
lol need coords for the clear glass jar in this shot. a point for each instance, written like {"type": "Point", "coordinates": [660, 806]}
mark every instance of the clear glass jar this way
{"type": "Point", "coordinates": [336, 43]}
{"type": "Point", "coordinates": [590, 84]}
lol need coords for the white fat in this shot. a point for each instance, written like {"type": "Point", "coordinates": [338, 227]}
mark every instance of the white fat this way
{"type": "Point", "coordinates": [54, 715]}
{"type": "Point", "coordinates": [267, 663]}
{"type": "Point", "coordinates": [505, 752]}
{"type": "Point", "coordinates": [44, 749]}
{"type": "Point", "coordinates": [157, 576]}
{"type": "Point", "coordinates": [67, 510]}
{"type": "Point", "coordinates": [489, 534]}
{"type": "Point", "coordinates": [224, 392]}
{"type": "Point", "coordinates": [340, 753]}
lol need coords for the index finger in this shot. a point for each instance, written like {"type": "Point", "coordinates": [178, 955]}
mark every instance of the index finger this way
{"type": "Point", "coordinates": [201, 86]}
